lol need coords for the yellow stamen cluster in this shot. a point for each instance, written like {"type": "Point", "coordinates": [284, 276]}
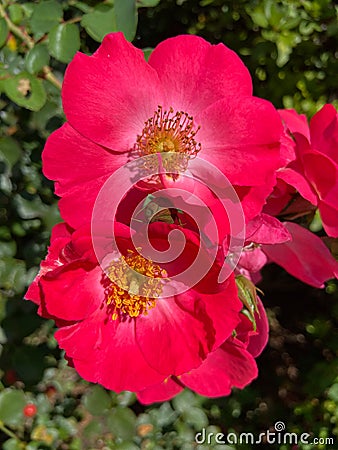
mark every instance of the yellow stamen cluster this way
{"type": "Point", "coordinates": [120, 302]}
{"type": "Point", "coordinates": [168, 131]}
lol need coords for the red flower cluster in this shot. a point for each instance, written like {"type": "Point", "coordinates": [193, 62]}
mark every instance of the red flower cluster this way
{"type": "Point", "coordinates": [181, 145]}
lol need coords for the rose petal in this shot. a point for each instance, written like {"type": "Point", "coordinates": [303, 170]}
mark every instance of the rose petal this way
{"type": "Point", "coordinates": [107, 352]}
{"type": "Point", "coordinates": [108, 96]}
{"type": "Point", "coordinates": [229, 366]}
{"type": "Point", "coordinates": [241, 136]}
{"type": "Point", "coordinates": [214, 71]}
{"type": "Point", "coordinates": [159, 392]}
{"type": "Point", "coordinates": [265, 229]}
{"type": "Point", "coordinates": [306, 257]}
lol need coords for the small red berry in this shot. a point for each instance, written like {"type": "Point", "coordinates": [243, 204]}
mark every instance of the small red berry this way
{"type": "Point", "coordinates": [30, 410]}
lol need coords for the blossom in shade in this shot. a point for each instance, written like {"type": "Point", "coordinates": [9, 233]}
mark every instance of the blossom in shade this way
{"type": "Point", "coordinates": [305, 256]}
{"type": "Point", "coordinates": [136, 341]}
{"type": "Point", "coordinates": [313, 170]}
{"type": "Point", "coordinates": [190, 98]}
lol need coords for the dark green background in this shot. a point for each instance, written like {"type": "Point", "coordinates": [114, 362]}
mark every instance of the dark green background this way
{"type": "Point", "coordinates": [290, 48]}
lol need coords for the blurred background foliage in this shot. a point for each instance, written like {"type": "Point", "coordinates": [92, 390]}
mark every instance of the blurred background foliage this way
{"type": "Point", "coordinates": [290, 48]}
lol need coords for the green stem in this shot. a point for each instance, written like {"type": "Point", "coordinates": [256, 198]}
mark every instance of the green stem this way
{"type": "Point", "coordinates": [49, 76]}
{"type": "Point", "coordinates": [47, 71]}
{"type": "Point", "coordinates": [16, 30]}
{"type": "Point", "coordinates": [9, 433]}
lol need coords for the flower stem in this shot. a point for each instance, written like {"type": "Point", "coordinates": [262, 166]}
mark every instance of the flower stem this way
{"type": "Point", "coordinates": [47, 71]}
{"type": "Point", "coordinates": [48, 75]}
{"type": "Point", "coordinates": [9, 433]}
{"type": "Point", "coordinates": [16, 30]}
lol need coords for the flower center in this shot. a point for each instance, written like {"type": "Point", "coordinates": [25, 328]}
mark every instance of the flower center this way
{"type": "Point", "coordinates": [120, 302]}
{"type": "Point", "coordinates": [168, 131]}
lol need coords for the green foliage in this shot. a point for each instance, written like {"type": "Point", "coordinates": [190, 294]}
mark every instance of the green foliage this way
{"type": "Point", "coordinates": [289, 47]}
{"type": "Point", "coordinates": [99, 22]}
{"type": "Point", "coordinates": [12, 403]}
{"type": "Point", "coordinates": [26, 90]}
{"type": "Point", "coordinates": [64, 41]}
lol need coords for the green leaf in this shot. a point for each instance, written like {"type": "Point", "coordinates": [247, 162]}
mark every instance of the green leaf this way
{"type": "Point", "coordinates": [12, 444]}
{"type": "Point", "coordinates": [147, 52]}
{"type": "Point", "coordinates": [125, 398]}
{"type": "Point", "coordinates": [247, 293]}
{"type": "Point", "coordinates": [51, 216]}
{"type": "Point", "coordinates": [126, 17]}
{"type": "Point", "coordinates": [12, 275]}
{"type": "Point", "coordinates": [26, 91]}
{"type": "Point", "coordinates": [285, 44]}
{"type": "Point", "coordinates": [94, 428]}
{"type": "Point", "coordinates": [165, 415]}
{"type": "Point", "coordinates": [146, 3]}
{"type": "Point", "coordinates": [15, 13]}
{"type": "Point", "coordinates": [3, 31]}
{"type": "Point", "coordinates": [30, 209]}
{"type": "Point", "coordinates": [45, 16]}
{"type": "Point", "coordinates": [258, 16]}
{"type": "Point", "coordinates": [97, 401]}
{"type": "Point", "coordinates": [37, 58]}
{"type": "Point", "coordinates": [196, 417]}
{"type": "Point", "coordinates": [333, 393]}
{"type": "Point", "coordinates": [99, 23]}
{"type": "Point", "coordinates": [122, 422]}
{"type": "Point", "coordinates": [64, 42]}
{"type": "Point", "coordinates": [11, 406]}
{"type": "Point", "coordinates": [7, 248]}
{"type": "Point", "coordinates": [185, 400]}
{"type": "Point", "coordinates": [10, 151]}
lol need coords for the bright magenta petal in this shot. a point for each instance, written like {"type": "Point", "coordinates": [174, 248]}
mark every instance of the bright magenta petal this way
{"type": "Point", "coordinates": [258, 340]}
{"type": "Point", "coordinates": [107, 352]}
{"type": "Point", "coordinates": [227, 367]}
{"type": "Point", "coordinates": [74, 292]}
{"type": "Point", "coordinates": [178, 333]}
{"type": "Point", "coordinates": [76, 206]}
{"type": "Point", "coordinates": [108, 96]}
{"type": "Point", "coordinates": [321, 171]}
{"type": "Point", "coordinates": [324, 131]}
{"type": "Point", "coordinates": [254, 340]}
{"type": "Point", "coordinates": [187, 65]}
{"type": "Point", "coordinates": [253, 260]}
{"type": "Point", "coordinates": [172, 339]}
{"type": "Point", "coordinates": [80, 168]}
{"type": "Point", "coordinates": [329, 214]}
{"type": "Point", "coordinates": [265, 229]}
{"type": "Point", "coordinates": [160, 392]}
{"type": "Point", "coordinates": [241, 136]}
{"type": "Point", "coordinates": [298, 181]}
{"type": "Point", "coordinates": [306, 257]}
{"type": "Point", "coordinates": [254, 198]}
{"type": "Point", "coordinates": [60, 237]}
{"type": "Point", "coordinates": [296, 123]}
{"type": "Point", "coordinates": [72, 160]}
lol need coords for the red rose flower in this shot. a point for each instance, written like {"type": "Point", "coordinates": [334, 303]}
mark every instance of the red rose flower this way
{"type": "Point", "coordinates": [191, 98]}
{"type": "Point", "coordinates": [313, 172]}
{"type": "Point", "coordinates": [135, 341]}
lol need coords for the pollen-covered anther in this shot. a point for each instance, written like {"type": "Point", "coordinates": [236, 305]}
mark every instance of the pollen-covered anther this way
{"type": "Point", "coordinates": [121, 303]}
{"type": "Point", "coordinates": [169, 131]}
